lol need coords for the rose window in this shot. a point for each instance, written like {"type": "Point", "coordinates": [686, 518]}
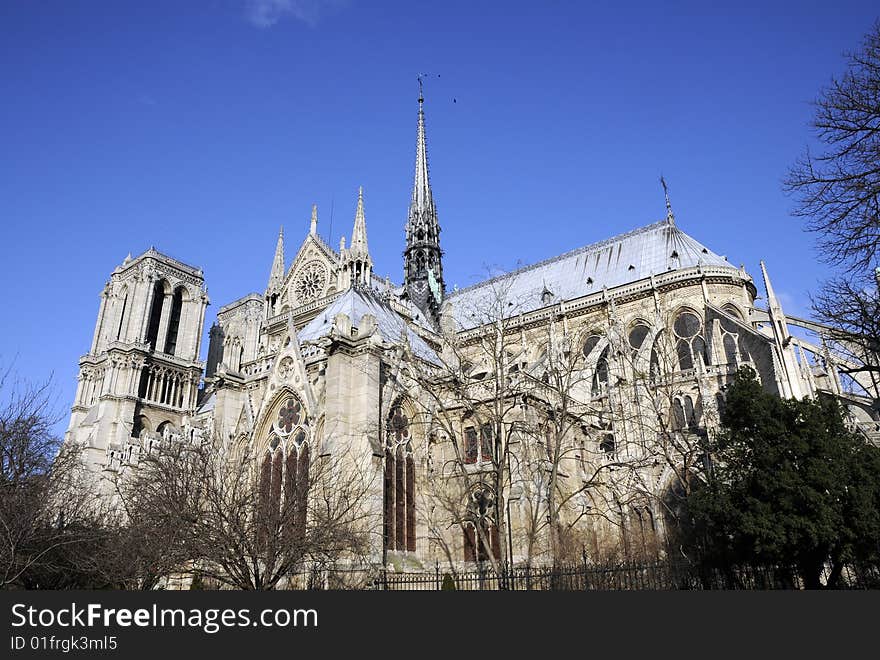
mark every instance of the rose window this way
{"type": "Point", "coordinates": [398, 428]}
{"type": "Point", "coordinates": [310, 281]}
{"type": "Point", "coordinates": [290, 415]}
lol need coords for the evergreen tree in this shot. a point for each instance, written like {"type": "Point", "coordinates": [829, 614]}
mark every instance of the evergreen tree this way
{"type": "Point", "coordinates": [790, 486]}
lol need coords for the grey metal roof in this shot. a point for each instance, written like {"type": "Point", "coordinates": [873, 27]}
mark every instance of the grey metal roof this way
{"type": "Point", "coordinates": [355, 303]}
{"type": "Point", "coordinates": [653, 249]}
{"type": "Point", "coordinates": [208, 404]}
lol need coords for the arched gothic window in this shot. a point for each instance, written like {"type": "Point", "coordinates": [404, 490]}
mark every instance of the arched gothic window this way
{"type": "Point", "coordinates": [174, 321]}
{"type": "Point", "coordinates": [479, 444]}
{"type": "Point", "coordinates": [656, 368]}
{"type": "Point", "coordinates": [637, 336]}
{"type": "Point", "coordinates": [732, 339]}
{"type": "Point", "coordinates": [122, 314]}
{"type": "Point", "coordinates": [600, 375]}
{"type": "Point", "coordinates": [399, 484]}
{"type": "Point", "coordinates": [685, 414]}
{"type": "Point", "coordinates": [284, 475]}
{"type": "Point", "coordinates": [733, 311]}
{"type": "Point", "coordinates": [641, 532]}
{"type": "Point", "coordinates": [155, 313]}
{"type": "Point", "coordinates": [690, 345]}
{"type": "Point", "coordinates": [590, 344]}
{"type": "Point", "coordinates": [481, 518]}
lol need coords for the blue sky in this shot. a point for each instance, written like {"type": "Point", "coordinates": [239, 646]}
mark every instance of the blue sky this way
{"type": "Point", "coordinates": [202, 127]}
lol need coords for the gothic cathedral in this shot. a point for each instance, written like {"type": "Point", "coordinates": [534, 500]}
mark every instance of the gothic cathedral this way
{"type": "Point", "coordinates": [571, 367]}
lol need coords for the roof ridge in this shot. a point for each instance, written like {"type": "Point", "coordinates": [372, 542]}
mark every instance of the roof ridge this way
{"type": "Point", "coordinates": [153, 252]}
{"type": "Point", "coordinates": [583, 249]}
{"type": "Point", "coordinates": [324, 244]}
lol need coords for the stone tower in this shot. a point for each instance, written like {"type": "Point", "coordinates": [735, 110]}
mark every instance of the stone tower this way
{"type": "Point", "coordinates": [142, 372]}
{"type": "Point", "coordinates": [423, 267]}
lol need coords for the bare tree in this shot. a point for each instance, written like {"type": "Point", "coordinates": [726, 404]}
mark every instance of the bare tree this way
{"type": "Point", "coordinates": [469, 397]}
{"type": "Point", "coordinates": [838, 190]}
{"type": "Point", "coordinates": [202, 508]}
{"type": "Point", "coordinates": [516, 415]}
{"type": "Point", "coordinates": [838, 194]}
{"type": "Point", "coordinates": [47, 517]}
{"type": "Point", "coordinates": [850, 307]}
{"type": "Point", "coordinates": [575, 414]}
{"type": "Point", "coordinates": [674, 414]}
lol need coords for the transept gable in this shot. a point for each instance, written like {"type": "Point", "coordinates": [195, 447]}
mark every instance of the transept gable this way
{"type": "Point", "coordinates": [313, 273]}
{"type": "Point", "coordinates": [287, 380]}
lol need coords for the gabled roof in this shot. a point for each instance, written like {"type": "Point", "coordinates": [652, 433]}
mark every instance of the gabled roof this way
{"type": "Point", "coordinates": [650, 250]}
{"type": "Point", "coordinates": [356, 303]}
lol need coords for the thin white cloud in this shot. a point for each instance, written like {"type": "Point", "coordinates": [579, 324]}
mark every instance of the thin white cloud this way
{"type": "Point", "coordinates": [147, 99]}
{"type": "Point", "coordinates": [266, 13]}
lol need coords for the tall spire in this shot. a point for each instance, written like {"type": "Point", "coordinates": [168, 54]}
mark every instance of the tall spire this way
{"type": "Point", "coordinates": [423, 268]}
{"type": "Point", "coordinates": [421, 193]}
{"type": "Point", "coordinates": [276, 276]}
{"type": "Point", "coordinates": [670, 216]}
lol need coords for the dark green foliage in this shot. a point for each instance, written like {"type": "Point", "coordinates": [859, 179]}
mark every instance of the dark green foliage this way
{"type": "Point", "coordinates": [789, 485]}
{"type": "Point", "coordinates": [448, 583]}
{"type": "Point", "coordinates": [197, 583]}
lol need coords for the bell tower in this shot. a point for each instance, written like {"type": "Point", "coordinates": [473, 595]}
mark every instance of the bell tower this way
{"type": "Point", "coordinates": [142, 370]}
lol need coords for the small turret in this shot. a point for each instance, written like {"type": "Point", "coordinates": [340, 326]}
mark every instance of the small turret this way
{"type": "Point", "coordinates": [357, 263]}
{"type": "Point", "coordinates": [276, 276]}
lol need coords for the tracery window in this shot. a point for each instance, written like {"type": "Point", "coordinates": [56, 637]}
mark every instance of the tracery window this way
{"type": "Point", "coordinates": [399, 484]}
{"type": "Point", "coordinates": [284, 474]}
{"type": "Point", "coordinates": [640, 532]}
{"type": "Point", "coordinates": [732, 340]}
{"type": "Point", "coordinates": [690, 345]}
{"type": "Point", "coordinates": [477, 546]}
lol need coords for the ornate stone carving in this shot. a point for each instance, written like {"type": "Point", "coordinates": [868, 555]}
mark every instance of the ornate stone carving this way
{"type": "Point", "coordinates": [285, 369]}
{"type": "Point", "coordinates": [310, 281]}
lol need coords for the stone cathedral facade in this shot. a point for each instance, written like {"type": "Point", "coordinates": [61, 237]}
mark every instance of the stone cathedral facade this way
{"type": "Point", "coordinates": [648, 325]}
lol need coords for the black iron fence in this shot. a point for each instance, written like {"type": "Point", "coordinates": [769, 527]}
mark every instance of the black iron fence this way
{"type": "Point", "coordinates": [656, 575]}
